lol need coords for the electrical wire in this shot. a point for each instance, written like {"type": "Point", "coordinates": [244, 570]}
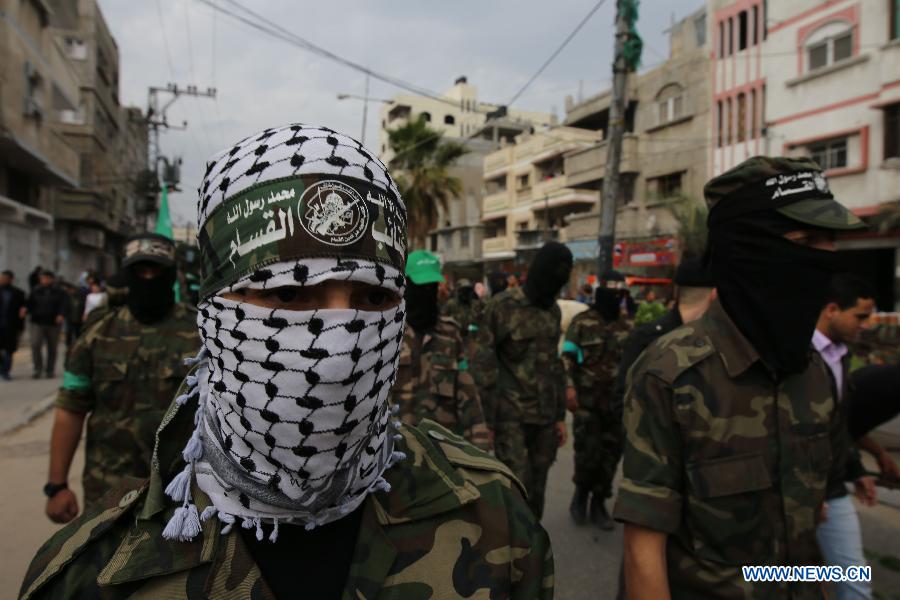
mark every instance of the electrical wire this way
{"type": "Point", "coordinates": [556, 52]}
{"type": "Point", "coordinates": [165, 39]}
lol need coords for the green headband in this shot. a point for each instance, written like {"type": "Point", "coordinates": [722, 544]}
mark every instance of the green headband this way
{"type": "Point", "coordinates": [305, 216]}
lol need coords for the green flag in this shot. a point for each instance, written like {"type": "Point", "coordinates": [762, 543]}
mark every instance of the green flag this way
{"type": "Point", "coordinates": [163, 220]}
{"type": "Point", "coordinates": [164, 227]}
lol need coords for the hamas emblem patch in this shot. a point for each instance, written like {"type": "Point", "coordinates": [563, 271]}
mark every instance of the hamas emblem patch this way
{"type": "Point", "coordinates": [333, 213]}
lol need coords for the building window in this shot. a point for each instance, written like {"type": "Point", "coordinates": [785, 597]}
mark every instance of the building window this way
{"type": "Point", "coordinates": [425, 116]}
{"type": "Point", "coordinates": [668, 186]}
{"type": "Point", "coordinates": [741, 117]}
{"type": "Point", "coordinates": [721, 39]}
{"type": "Point", "coordinates": [892, 131]}
{"type": "Point", "coordinates": [669, 103]}
{"type": "Point", "coordinates": [742, 30]}
{"type": "Point", "coordinates": [700, 30]}
{"type": "Point", "coordinates": [449, 120]}
{"type": "Point", "coordinates": [719, 124]}
{"type": "Point", "coordinates": [754, 26]}
{"type": "Point", "coordinates": [523, 182]}
{"type": "Point", "coordinates": [894, 9]}
{"type": "Point", "coordinates": [464, 238]}
{"type": "Point", "coordinates": [829, 46]}
{"type": "Point", "coordinates": [729, 118]}
{"type": "Point", "coordinates": [730, 36]}
{"type": "Point", "coordinates": [830, 154]}
{"type": "Point", "coordinates": [754, 132]}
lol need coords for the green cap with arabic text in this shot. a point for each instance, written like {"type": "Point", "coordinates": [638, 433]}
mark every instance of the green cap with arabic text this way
{"type": "Point", "coordinates": [795, 187]}
{"type": "Point", "coordinates": [423, 267]}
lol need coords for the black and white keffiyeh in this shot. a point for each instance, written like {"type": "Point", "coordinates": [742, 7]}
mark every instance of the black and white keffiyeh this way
{"type": "Point", "coordinates": [293, 423]}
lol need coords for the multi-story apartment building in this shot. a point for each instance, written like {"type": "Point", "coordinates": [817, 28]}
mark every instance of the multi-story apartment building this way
{"type": "Point", "coordinates": [529, 193]}
{"type": "Point", "coordinates": [664, 157]}
{"type": "Point", "coordinates": [482, 127]}
{"type": "Point", "coordinates": [37, 83]}
{"type": "Point", "coordinates": [95, 217]}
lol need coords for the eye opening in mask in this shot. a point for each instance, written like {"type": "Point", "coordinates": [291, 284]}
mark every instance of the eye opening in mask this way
{"type": "Point", "coordinates": [333, 294]}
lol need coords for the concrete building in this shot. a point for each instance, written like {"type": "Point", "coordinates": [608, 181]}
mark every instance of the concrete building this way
{"type": "Point", "coordinates": [483, 128]}
{"type": "Point", "coordinates": [458, 114]}
{"type": "Point", "coordinates": [664, 157]}
{"type": "Point", "coordinates": [37, 85]}
{"type": "Point", "coordinates": [529, 194]}
{"type": "Point", "coordinates": [95, 217]}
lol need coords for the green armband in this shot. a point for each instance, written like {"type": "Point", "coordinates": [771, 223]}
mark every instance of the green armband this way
{"type": "Point", "coordinates": [473, 327]}
{"type": "Point", "coordinates": [570, 347]}
{"type": "Point", "coordinates": [463, 365]}
{"type": "Point", "coordinates": [75, 383]}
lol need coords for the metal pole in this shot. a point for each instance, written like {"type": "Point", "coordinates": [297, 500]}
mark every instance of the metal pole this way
{"type": "Point", "coordinates": [616, 129]}
{"type": "Point", "coordinates": [362, 137]}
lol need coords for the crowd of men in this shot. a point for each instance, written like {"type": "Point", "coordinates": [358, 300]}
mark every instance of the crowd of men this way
{"type": "Point", "coordinates": [270, 465]}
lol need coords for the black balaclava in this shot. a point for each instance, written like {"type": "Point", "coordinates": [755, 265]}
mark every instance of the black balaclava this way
{"type": "Point", "coordinates": [466, 295]}
{"type": "Point", "coordinates": [548, 273]}
{"type": "Point", "coordinates": [149, 300]}
{"type": "Point", "coordinates": [497, 282]}
{"type": "Point", "coordinates": [421, 305]}
{"type": "Point", "coordinates": [772, 288]}
{"type": "Point", "coordinates": [607, 302]}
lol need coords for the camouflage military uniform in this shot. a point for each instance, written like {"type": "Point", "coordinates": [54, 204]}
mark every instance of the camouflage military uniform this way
{"type": "Point", "coordinates": [454, 524]}
{"type": "Point", "coordinates": [433, 383]}
{"type": "Point", "coordinates": [727, 460]}
{"type": "Point", "coordinates": [521, 376]}
{"type": "Point", "coordinates": [592, 354]}
{"type": "Point", "coordinates": [466, 315]}
{"type": "Point", "coordinates": [124, 374]}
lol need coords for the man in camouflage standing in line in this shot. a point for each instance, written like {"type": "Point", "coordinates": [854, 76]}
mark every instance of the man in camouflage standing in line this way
{"type": "Point", "coordinates": [592, 352]}
{"type": "Point", "coordinates": [122, 371]}
{"type": "Point", "coordinates": [520, 373]}
{"type": "Point", "coordinates": [433, 380]}
{"type": "Point", "coordinates": [465, 307]}
{"type": "Point", "coordinates": [731, 430]}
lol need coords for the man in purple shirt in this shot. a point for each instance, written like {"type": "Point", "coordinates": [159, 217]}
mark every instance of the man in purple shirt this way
{"type": "Point", "coordinates": [846, 313]}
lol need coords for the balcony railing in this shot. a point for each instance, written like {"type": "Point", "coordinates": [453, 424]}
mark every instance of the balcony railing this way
{"type": "Point", "coordinates": [497, 202]}
{"type": "Point", "coordinates": [527, 239]}
{"type": "Point", "coordinates": [589, 165]}
{"type": "Point", "coordinates": [496, 245]}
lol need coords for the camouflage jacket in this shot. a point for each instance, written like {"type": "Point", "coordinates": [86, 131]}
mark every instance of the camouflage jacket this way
{"type": "Point", "coordinates": [592, 352]}
{"type": "Point", "coordinates": [433, 383]}
{"type": "Point", "coordinates": [467, 315]}
{"type": "Point", "coordinates": [454, 524]}
{"type": "Point", "coordinates": [727, 460]}
{"type": "Point", "coordinates": [124, 374]}
{"type": "Point", "coordinates": [515, 361]}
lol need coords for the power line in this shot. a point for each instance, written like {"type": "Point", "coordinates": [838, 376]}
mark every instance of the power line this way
{"type": "Point", "coordinates": [162, 27]}
{"type": "Point", "coordinates": [260, 23]}
{"type": "Point", "coordinates": [557, 51]}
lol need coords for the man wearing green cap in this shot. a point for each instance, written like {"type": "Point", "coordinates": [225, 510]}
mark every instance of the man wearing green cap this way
{"type": "Point", "coordinates": [433, 380]}
{"type": "Point", "coordinates": [120, 375]}
{"type": "Point", "coordinates": [730, 421]}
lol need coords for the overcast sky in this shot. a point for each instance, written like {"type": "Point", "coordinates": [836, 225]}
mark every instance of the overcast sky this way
{"type": "Point", "coordinates": [264, 82]}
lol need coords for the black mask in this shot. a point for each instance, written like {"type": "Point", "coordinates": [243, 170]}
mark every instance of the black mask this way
{"type": "Point", "coordinates": [607, 302]}
{"type": "Point", "coordinates": [466, 295]}
{"type": "Point", "coordinates": [497, 281]}
{"type": "Point", "coordinates": [421, 306]}
{"type": "Point", "coordinates": [548, 273]}
{"type": "Point", "coordinates": [149, 300]}
{"type": "Point", "coordinates": [772, 288]}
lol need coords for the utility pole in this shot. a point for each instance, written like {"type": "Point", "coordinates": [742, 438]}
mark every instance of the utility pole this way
{"type": "Point", "coordinates": [365, 100]}
{"type": "Point", "coordinates": [615, 129]}
{"type": "Point", "coordinates": [156, 116]}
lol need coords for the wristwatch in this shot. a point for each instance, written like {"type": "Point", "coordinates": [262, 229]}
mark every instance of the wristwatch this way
{"type": "Point", "coordinates": [52, 489]}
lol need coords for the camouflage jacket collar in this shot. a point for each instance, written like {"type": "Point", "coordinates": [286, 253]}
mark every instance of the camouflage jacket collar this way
{"type": "Point", "coordinates": [423, 485]}
{"type": "Point", "coordinates": [736, 351]}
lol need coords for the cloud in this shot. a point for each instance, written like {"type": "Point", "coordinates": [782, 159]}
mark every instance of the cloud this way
{"type": "Point", "coordinates": [263, 82]}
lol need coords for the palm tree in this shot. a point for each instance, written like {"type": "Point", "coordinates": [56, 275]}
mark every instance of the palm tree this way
{"type": "Point", "coordinates": [422, 160]}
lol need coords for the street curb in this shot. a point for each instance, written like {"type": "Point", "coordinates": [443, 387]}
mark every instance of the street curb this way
{"type": "Point", "coordinates": [36, 411]}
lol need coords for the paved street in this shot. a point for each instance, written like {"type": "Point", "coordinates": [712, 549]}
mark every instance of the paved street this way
{"type": "Point", "coordinates": [587, 560]}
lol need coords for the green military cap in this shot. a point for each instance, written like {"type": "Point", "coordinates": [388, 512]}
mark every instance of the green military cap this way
{"type": "Point", "coordinates": [795, 187]}
{"type": "Point", "coordinates": [150, 247]}
{"type": "Point", "coordinates": [423, 267]}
